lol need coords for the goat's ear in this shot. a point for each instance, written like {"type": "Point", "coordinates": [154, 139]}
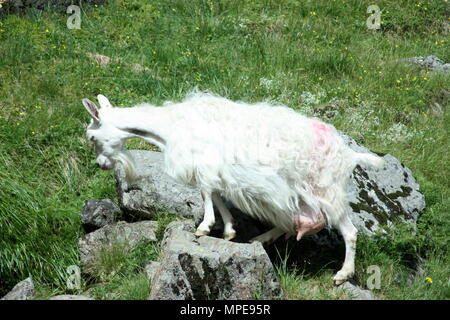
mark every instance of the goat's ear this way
{"type": "Point", "coordinates": [104, 102]}
{"type": "Point", "coordinates": [91, 108]}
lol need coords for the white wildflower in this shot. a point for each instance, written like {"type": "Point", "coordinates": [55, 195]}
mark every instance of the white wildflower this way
{"type": "Point", "coordinates": [398, 133]}
{"type": "Point", "coordinates": [311, 99]}
{"type": "Point", "coordinates": [243, 23]}
{"type": "Point", "coordinates": [266, 83]}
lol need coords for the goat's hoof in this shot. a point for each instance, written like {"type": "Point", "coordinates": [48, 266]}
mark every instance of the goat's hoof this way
{"type": "Point", "coordinates": [341, 277]}
{"type": "Point", "coordinates": [339, 282]}
{"type": "Point", "coordinates": [200, 233]}
{"type": "Point", "coordinates": [229, 236]}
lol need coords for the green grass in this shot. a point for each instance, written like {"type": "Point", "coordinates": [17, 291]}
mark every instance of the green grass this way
{"type": "Point", "coordinates": [306, 283]}
{"type": "Point", "coordinates": [119, 274]}
{"type": "Point", "coordinates": [300, 53]}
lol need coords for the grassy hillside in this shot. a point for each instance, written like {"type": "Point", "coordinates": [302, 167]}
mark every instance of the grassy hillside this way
{"type": "Point", "coordinates": [304, 54]}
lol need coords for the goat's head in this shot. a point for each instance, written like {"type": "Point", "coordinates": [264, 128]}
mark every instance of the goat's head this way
{"type": "Point", "coordinates": [108, 140]}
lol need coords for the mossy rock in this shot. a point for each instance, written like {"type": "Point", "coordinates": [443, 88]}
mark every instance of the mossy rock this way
{"type": "Point", "coordinates": [378, 197]}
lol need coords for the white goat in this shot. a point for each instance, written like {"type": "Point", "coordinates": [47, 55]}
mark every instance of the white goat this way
{"type": "Point", "coordinates": [269, 161]}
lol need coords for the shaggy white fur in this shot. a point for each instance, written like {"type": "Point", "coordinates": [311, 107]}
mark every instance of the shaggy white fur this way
{"type": "Point", "coordinates": [268, 160]}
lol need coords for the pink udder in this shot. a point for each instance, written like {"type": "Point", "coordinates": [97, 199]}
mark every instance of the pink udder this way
{"type": "Point", "coordinates": [306, 226]}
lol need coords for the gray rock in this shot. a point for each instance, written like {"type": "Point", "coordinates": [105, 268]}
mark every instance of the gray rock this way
{"type": "Point", "coordinates": [212, 268]}
{"type": "Point", "coordinates": [97, 213]}
{"type": "Point", "coordinates": [24, 290]}
{"type": "Point", "coordinates": [154, 190]}
{"type": "Point", "coordinates": [128, 234]}
{"type": "Point", "coordinates": [183, 225]}
{"type": "Point", "coordinates": [357, 292]}
{"type": "Point", "coordinates": [431, 63]}
{"type": "Point", "coordinates": [102, 60]}
{"type": "Point", "coordinates": [151, 268]}
{"type": "Point", "coordinates": [378, 197]}
{"type": "Point", "coordinates": [70, 297]}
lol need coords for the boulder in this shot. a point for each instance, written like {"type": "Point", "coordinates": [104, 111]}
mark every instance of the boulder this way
{"type": "Point", "coordinates": [177, 225]}
{"type": "Point", "coordinates": [380, 196]}
{"type": "Point", "coordinates": [431, 63]}
{"type": "Point", "coordinates": [97, 213]}
{"type": "Point", "coordinates": [356, 292]}
{"type": "Point", "coordinates": [127, 234]}
{"type": "Point", "coordinates": [154, 190]}
{"type": "Point", "coordinates": [70, 297]}
{"type": "Point", "coordinates": [194, 268]}
{"type": "Point", "coordinates": [151, 268]}
{"type": "Point", "coordinates": [24, 290]}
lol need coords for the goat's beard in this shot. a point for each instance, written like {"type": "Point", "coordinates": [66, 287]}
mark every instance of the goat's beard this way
{"type": "Point", "coordinates": [125, 159]}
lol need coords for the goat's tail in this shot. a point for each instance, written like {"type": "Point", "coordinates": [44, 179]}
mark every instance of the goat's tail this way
{"type": "Point", "coordinates": [369, 159]}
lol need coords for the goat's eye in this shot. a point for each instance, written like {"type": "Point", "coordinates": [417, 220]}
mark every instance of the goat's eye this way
{"type": "Point", "coordinates": [92, 138]}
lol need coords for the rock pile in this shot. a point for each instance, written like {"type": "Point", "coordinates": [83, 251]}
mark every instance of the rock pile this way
{"type": "Point", "coordinates": [211, 268]}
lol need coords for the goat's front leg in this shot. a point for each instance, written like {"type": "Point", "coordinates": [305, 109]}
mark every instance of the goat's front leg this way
{"type": "Point", "coordinates": [208, 219]}
{"type": "Point", "coordinates": [228, 232]}
{"type": "Point", "coordinates": [349, 233]}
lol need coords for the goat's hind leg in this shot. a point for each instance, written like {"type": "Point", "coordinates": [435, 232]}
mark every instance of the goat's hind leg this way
{"type": "Point", "coordinates": [349, 233]}
{"type": "Point", "coordinates": [269, 236]}
{"type": "Point", "coordinates": [228, 232]}
{"type": "Point", "coordinates": [208, 219]}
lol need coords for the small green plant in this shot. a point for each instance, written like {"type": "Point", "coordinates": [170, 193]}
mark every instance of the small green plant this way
{"type": "Point", "coordinates": [110, 261]}
{"type": "Point", "coordinates": [297, 285]}
{"type": "Point", "coordinates": [119, 273]}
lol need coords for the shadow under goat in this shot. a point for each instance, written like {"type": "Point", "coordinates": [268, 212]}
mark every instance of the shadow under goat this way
{"type": "Point", "coordinates": [271, 162]}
